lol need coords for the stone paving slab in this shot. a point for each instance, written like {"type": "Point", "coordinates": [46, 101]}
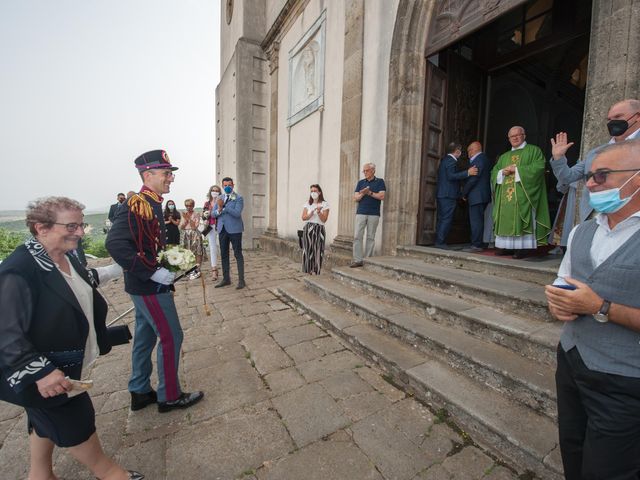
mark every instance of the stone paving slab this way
{"type": "Point", "coordinates": [310, 414]}
{"type": "Point", "coordinates": [284, 399]}
{"type": "Point", "coordinates": [323, 460]}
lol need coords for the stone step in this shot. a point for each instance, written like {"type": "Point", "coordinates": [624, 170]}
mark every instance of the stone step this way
{"type": "Point", "coordinates": [519, 378]}
{"type": "Point", "coordinates": [517, 297]}
{"type": "Point", "coordinates": [539, 271]}
{"type": "Point", "coordinates": [533, 339]}
{"type": "Point", "coordinates": [510, 430]}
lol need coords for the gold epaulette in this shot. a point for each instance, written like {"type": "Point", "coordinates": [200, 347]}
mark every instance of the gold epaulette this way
{"type": "Point", "coordinates": [140, 206]}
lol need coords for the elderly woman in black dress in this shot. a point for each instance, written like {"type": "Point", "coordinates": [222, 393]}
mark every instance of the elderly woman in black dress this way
{"type": "Point", "coordinates": [53, 328]}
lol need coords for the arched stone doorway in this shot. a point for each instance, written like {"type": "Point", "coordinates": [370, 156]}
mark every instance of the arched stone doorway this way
{"type": "Point", "coordinates": [422, 29]}
{"type": "Point", "coordinates": [422, 26]}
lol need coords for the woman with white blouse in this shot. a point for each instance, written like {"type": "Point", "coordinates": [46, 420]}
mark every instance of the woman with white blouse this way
{"type": "Point", "coordinates": [314, 213]}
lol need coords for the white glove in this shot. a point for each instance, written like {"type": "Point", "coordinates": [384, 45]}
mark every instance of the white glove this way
{"type": "Point", "coordinates": [163, 276]}
{"type": "Point", "coordinates": [109, 272]}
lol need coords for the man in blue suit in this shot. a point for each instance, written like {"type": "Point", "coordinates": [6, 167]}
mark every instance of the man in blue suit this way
{"type": "Point", "coordinates": [448, 191]}
{"type": "Point", "coordinates": [230, 228]}
{"type": "Point", "coordinates": [623, 123]}
{"type": "Point", "coordinates": [477, 193]}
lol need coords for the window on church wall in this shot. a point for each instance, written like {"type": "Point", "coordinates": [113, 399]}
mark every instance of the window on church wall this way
{"type": "Point", "coordinates": [306, 73]}
{"type": "Point", "coordinates": [525, 25]}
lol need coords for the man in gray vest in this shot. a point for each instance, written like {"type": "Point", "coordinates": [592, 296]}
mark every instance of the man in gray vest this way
{"type": "Point", "coordinates": [598, 373]}
{"type": "Point", "coordinates": [623, 123]}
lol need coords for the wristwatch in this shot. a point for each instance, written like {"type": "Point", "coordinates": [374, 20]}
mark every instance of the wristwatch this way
{"type": "Point", "coordinates": [603, 314]}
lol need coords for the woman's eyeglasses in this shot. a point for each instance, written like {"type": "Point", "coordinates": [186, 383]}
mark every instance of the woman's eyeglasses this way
{"type": "Point", "coordinates": [72, 227]}
{"type": "Point", "coordinates": [600, 176]}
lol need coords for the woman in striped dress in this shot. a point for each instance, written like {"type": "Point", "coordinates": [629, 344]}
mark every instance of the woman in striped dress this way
{"type": "Point", "coordinates": [314, 213]}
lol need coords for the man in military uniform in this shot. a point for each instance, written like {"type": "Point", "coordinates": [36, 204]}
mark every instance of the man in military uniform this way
{"type": "Point", "coordinates": [134, 241]}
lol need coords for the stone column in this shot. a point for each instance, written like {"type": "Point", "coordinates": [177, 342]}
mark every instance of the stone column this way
{"type": "Point", "coordinates": [614, 68]}
{"type": "Point", "coordinates": [351, 121]}
{"type": "Point", "coordinates": [273, 54]}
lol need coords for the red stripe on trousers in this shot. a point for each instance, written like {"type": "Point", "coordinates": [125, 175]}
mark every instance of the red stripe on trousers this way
{"type": "Point", "coordinates": [167, 345]}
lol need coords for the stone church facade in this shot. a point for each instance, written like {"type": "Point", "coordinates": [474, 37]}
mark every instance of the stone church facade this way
{"type": "Point", "coordinates": [313, 89]}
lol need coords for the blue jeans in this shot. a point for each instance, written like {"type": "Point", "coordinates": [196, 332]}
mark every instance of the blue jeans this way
{"type": "Point", "coordinates": [156, 318]}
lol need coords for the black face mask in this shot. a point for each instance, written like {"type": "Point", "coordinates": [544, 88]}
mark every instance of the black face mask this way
{"type": "Point", "coordinates": [618, 127]}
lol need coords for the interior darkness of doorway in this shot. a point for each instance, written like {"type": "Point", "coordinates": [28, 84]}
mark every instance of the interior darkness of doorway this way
{"type": "Point", "coordinates": [530, 68]}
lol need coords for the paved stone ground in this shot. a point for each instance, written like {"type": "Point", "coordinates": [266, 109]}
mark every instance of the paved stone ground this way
{"type": "Point", "coordinates": [284, 400]}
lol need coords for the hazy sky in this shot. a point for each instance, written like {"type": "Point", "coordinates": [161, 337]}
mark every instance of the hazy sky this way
{"type": "Point", "coordinates": [88, 85]}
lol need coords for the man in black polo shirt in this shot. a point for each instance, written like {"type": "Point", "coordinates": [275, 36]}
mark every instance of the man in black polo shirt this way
{"type": "Point", "coordinates": [369, 195]}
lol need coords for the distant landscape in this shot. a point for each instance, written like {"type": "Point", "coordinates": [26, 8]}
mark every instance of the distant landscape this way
{"type": "Point", "coordinates": [14, 231]}
{"type": "Point", "coordinates": [14, 222]}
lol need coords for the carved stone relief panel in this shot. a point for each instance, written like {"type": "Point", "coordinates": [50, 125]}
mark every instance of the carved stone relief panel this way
{"type": "Point", "coordinates": [453, 19]}
{"type": "Point", "coordinates": [306, 73]}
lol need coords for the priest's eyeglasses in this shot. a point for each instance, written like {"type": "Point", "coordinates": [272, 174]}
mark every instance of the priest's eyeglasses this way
{"type": "Point", "coordinates": [600, 176]}
{"type": "Point", "coordinates": [72, 227]}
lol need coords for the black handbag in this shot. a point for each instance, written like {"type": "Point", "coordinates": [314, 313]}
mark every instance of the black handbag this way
{"type": "Point", "coordinates": [206, 230]}
{"type": "Point", "coordinates": [119, 335]}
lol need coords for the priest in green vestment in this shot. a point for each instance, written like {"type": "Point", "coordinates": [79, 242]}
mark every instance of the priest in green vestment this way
{"type": "Point", "coordinates": [520, 210]}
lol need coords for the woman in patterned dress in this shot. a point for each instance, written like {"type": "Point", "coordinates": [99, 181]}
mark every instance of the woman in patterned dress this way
{"type": "Point", "coordinates": [191, 237]}
{"type": "Point", "coordinates": [314, 213]}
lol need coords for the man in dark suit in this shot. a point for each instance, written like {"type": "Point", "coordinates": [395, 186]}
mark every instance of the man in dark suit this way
{"type": "Point", "coordinates": [477, 192]}
{"type": "Point", "coordinates": [115, 208]}
{"type": "Point", "coordinates": [448, 191]}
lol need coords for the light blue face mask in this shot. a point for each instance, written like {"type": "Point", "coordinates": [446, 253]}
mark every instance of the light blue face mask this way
{"type": "Point", "coordinates": [609, 201]}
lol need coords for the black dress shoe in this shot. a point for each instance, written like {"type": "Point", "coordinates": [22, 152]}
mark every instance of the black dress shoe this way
{"type": "Point", "coordinates": [223, 283]}
{"type": "Point", "coordinates": [518, 254]}
{"type": "Point", "coordinates": [503, 252]}
{"type": "Point", "coordinates": [185, 400]}
{"type": "Point", "coordinates": [141, 400]}
{"type": "Point", "coordinates": [241, 285]}
{"type": "Point", "coordinates": [356, 264]}
{"type": "Point", "coordinates": [135, 475]}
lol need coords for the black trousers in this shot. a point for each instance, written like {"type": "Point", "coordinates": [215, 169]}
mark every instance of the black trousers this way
{"type": "Point", "coordinates": [599, 421]}
{"type": "Point", "coordinates": [235, 239]}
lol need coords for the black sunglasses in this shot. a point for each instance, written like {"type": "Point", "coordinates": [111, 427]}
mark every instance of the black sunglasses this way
{"type": "Point", "coordinates": [600, 176]}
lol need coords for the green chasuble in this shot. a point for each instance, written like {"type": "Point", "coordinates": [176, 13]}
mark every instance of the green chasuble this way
{"type": "Point", "coordinates": [515, 201]}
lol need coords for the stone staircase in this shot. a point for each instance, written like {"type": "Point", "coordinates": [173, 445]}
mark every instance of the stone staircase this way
{"type": "Point", "coordinates": [467, 333]}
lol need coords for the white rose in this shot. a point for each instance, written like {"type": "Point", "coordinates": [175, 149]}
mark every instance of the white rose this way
{"type": "Point", "coordinates": [173, 258]}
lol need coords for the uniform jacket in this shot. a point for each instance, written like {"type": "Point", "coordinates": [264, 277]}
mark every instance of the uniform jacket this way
{"type": "Point", "coordinates": [42, 326]}
{"type": "Point", "coordinates": [137, 236]}
{"type": "Point", "coordinates": [231, 215]}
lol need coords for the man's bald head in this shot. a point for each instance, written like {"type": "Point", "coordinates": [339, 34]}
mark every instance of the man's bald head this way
{"type": "Point", "coordinates": [474, 148]}
{"type": "Point", "coordinates": [629, 105]}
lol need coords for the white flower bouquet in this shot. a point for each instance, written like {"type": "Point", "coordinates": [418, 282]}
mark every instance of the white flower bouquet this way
{"type": "Point", "coordinates": [177, 259]}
